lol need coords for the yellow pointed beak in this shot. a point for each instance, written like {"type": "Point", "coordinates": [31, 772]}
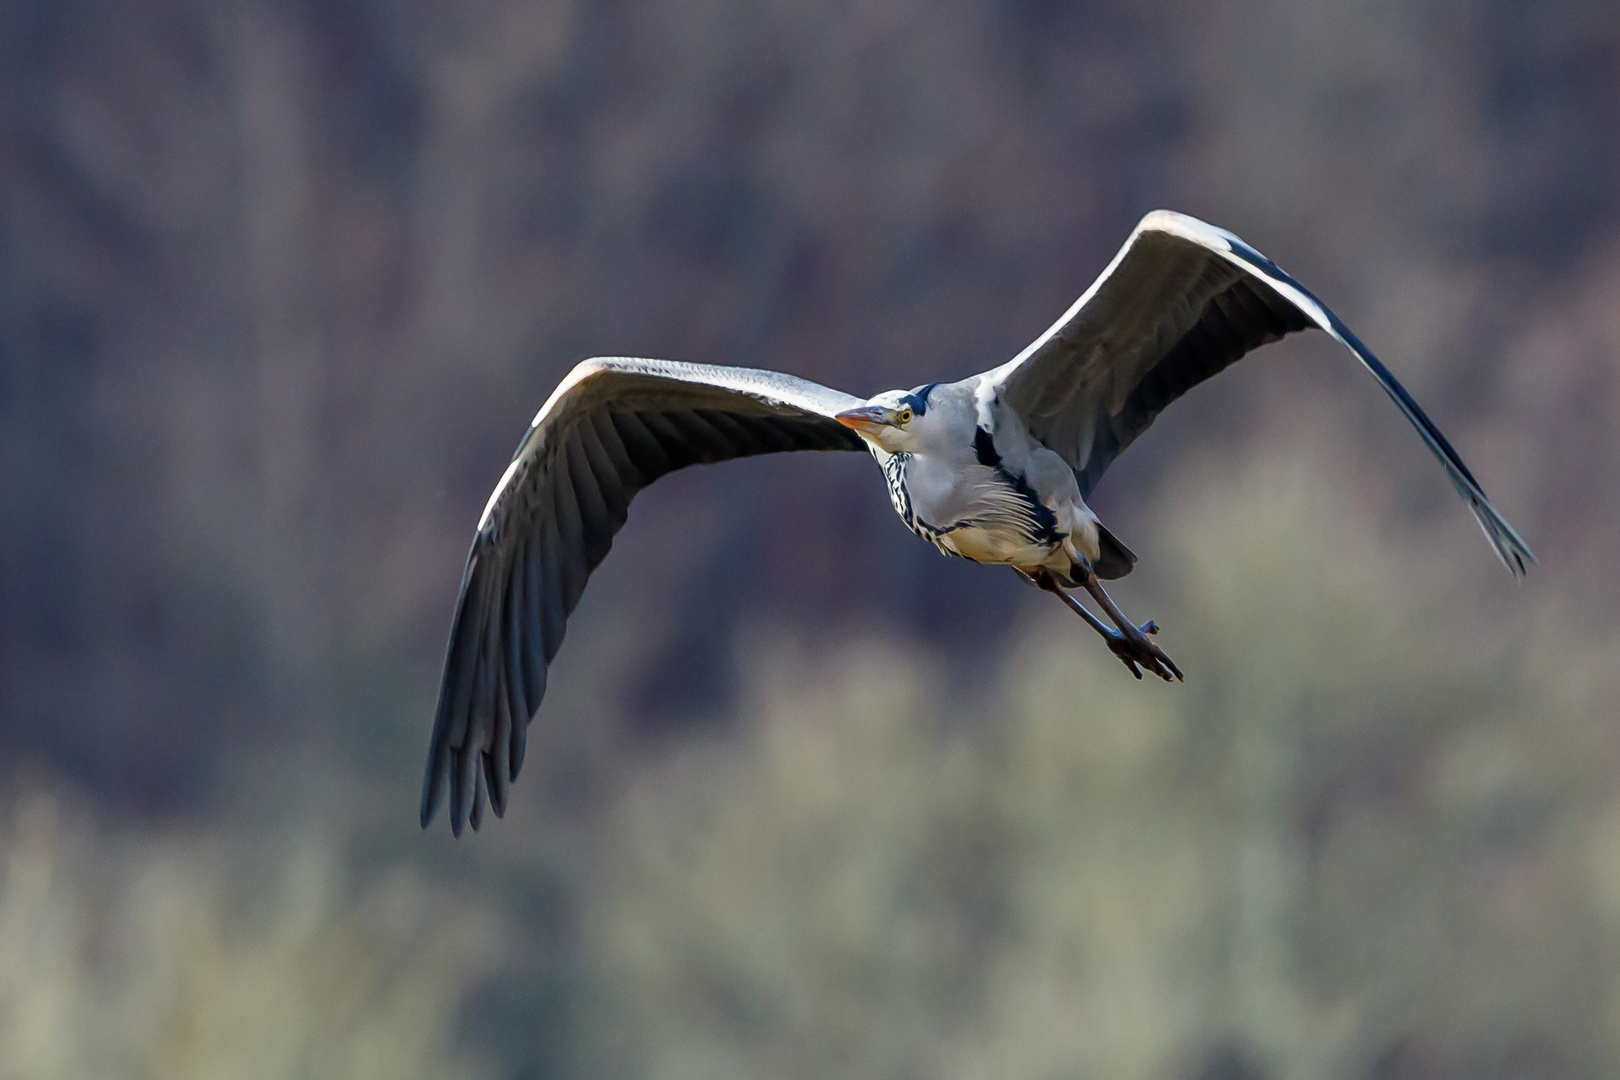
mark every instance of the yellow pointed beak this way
{"type": "Point", "coordinates": [868, 419]}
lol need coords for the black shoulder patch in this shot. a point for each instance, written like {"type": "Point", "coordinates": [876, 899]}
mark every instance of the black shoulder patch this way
{"type": "Point", "coordinates": [918, 398]}
{"type": "Point", "coordinates": [984, 448]}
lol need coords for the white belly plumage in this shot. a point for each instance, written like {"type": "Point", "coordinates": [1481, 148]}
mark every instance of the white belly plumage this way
{"type": "Point", "coordinates": [1000, 525]}
{"type": "Point", "coordinates": [992, 545]}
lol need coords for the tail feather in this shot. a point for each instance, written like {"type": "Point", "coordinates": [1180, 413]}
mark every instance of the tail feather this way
{"type": "Point", "coordinates": [1115, 559]}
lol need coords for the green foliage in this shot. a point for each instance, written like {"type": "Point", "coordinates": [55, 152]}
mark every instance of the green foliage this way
{"type": "Point", "coordinates": [187, 957]}
{"type": "Point", "coordinates": [1365, 830]}
{"type": "Point", "coordinates": [1376, 833]}
{"type": "Point", "coordinates": [280, 284]}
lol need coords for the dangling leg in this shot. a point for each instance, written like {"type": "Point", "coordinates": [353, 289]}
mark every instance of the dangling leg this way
{"type": "Point", "coordinates": [1144, 651]}
{"type": "Point", "coordinates": [1135, 652]}
{"type": "Point", "coordinates": [1044, 579]}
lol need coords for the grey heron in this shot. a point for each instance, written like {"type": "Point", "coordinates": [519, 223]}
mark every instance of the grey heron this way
{"type": "Point", "coordinates": [995, 468]}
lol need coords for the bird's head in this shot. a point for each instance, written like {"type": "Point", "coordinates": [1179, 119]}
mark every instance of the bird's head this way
{"type": "Point", "coordinates": [895, 421]}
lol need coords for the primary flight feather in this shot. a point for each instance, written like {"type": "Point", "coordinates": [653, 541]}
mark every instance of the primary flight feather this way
{"type": "Point", "coordinates": [995, 468]}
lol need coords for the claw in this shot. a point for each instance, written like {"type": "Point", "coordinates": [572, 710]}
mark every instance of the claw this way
{"type": "Point", "coordinates": [1130, 642]}
{"type": "Point", "coordinates": [1137, 653]}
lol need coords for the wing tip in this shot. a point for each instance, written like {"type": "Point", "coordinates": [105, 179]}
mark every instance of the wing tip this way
{"type": "Point", "coordinates": [469, 789]}
{"type": "Point", "coordinates": [1514, 553]}
{"type": "Point", "coordinates": [434, 781]}
{"type": "Point", "coordinates": [1509, 546]}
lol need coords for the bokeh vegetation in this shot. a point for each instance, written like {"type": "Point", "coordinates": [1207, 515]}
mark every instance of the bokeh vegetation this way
{"type": "Point", "coordinates": [1373, 836]}
{"type": "Point", "coordinates": [280, 283]}
{"type": "Point", "coordinates": [1377, 833]}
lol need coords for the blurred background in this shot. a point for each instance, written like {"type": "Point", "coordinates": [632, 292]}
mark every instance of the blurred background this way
{"type": "Point", "coordinates": [281, 283]}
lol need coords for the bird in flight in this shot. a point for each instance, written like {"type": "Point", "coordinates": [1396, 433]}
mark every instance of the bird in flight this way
{"type": "Point", "coordinates": [995, 468]}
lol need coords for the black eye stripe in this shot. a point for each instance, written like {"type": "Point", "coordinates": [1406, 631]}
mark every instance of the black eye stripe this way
{"type": "Point", "coordinates": [918, 398]}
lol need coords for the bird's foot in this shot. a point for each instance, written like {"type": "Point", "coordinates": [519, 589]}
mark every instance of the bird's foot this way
{"type": "Point", "coordinates": [1137, 653]}
{"type": "Point", "coordinates": [1130, 642]}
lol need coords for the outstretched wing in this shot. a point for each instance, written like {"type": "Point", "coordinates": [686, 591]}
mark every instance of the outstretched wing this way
{"type": "Point", "coordinates": [612, 427]}
{"type": "Point", "coordinates": [1180, 302]}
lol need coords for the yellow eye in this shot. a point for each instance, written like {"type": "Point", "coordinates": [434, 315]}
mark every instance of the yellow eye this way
{"type": "Point", "coordinates": [905, 415]}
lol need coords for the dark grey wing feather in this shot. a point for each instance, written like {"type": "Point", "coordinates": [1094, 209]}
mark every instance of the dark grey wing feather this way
{"type": "Point", "coordinates": [1180, 302]}
{"type": "Point", "coordinates": [612, 427]}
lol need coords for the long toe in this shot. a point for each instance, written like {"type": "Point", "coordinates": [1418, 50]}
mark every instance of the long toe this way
{"type": "Point", "coordinates": [1139, 650]}
{"type": "Point", "coordinates": [1150, 655]}
{"type": "Point", "coordinates": [1163, 666]}
{"type": "Point", "coordinates": [1129, 653]}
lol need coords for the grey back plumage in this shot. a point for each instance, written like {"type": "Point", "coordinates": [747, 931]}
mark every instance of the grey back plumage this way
{"type": "Point", "coordinates": [612, 427]}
